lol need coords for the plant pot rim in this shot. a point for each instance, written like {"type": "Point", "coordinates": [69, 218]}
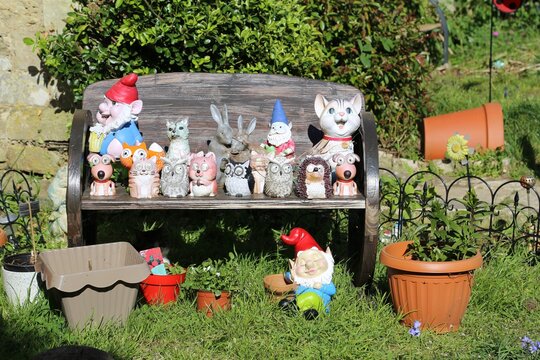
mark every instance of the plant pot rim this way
{"type": "Point", "coordinates": [21, 266]}
{"type": "Point", "coordinates": [168, 279]}
{"type": "Point", "coordinates": [393, 256]}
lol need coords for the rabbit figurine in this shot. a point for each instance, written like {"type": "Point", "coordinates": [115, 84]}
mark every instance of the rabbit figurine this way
{"type": "Point", "coordinates": [240, 151]}
{"type": "Point", "coordinates": [220, 144]}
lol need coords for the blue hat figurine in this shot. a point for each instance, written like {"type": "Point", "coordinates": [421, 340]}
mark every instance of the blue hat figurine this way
{"type": "Point", "coordinates": [278, 114]}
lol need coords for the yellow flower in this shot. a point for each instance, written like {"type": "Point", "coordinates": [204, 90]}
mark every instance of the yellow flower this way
{"type": "Point", "coordinates": [457, 148]}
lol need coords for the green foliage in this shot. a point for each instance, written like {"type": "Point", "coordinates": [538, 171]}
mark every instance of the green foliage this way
{"type": "Point", "coordinates": [445, 237]}
{"type": "Point", "coordinates": [175, 269]}
{"type": "Point", "coordinates": [372, 45]}
{"type": "Point", "coordinates": [214, 275]}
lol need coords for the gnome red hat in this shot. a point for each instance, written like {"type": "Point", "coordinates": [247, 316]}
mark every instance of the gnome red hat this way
{"type": "Point", "coordinates": [301, 240]}
{"type": "Point", "coordinates": [124, 90]}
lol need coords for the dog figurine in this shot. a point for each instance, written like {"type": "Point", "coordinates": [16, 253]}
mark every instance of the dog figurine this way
{"type": "Point", "coordinates": [101, 170]}
{"type": "Point", "coordinates": [345, 173]}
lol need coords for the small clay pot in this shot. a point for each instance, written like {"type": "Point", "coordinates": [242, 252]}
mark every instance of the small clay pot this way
{"type": "Point", "coordinates": [277, 287]}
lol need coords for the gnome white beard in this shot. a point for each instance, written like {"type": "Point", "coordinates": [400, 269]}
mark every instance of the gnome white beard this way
{"type": "Point", "coordinates": [277, 139]}
{"type": "Point", "coordinates": [324, 278]}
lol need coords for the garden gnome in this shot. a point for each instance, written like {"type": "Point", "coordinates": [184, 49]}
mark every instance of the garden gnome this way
{"type": "Point", "coordinates": [279, 140]}
{"type": "Point", "coordinates": [117, 117]}
{"type": "Point", "coordinates": [312, 271]}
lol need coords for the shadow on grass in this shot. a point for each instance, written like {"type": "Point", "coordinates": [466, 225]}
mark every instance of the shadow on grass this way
{"type": "Point", "coordinates": [529, 155]}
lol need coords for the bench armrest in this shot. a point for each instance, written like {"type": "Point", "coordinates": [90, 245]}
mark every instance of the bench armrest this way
{"type": "Point", "coordinates": [82, 119]}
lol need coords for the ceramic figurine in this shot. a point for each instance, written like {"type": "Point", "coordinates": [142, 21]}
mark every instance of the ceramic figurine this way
{"type": "Point", "coordinates": [258, 163]}
{"type": "Point", "coordinates": [238, 179]}
{"type": "Point", "coordinates": [117, 116]}
{"type": "Point", "coordinates": [202, 173]}
{"type": "Point", "coordinates": [339, 119]}
{"type": "Point", "coordinates": [174, 177]}
{"type": "Point", "coordinates": [101, 170]}
{"type": "Point", "coordinates": [345, 173]}
{"type": "Point", "coordinates": [240, 151]}
{"type": "Point", "coordinates": [178, 133]}
{"type": "Point", "coordinates": [311, 271]}
{"type": "Point", "coordinates": [144, 179]}
{"type": "Point", "coordinates": [279, 177]}
{"type": "Point", "coordinates": [279, 139]}
{"type": "Point", "coordinates": [220, 144]}
{"type": "Point", "coordinates": [314, 179]}
{"type": "Point", "coordinates": [139, 151]}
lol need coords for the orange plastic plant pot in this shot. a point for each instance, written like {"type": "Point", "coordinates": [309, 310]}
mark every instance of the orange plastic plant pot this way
{"type": "Point", "coordinates": [435, 293]}
{"type": "Point", "coordinates": [162, 289]}
{"type": "Point", "coordinates": [483, 126]}
{"type": "Point", "coordinates": [208, 303]}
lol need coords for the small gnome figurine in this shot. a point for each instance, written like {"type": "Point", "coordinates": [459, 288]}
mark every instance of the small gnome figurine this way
{"type": "Point", "coordinates": [312, 271]}
{"type": "Point", "coordinates": [117, 118]}
{"type": "Point", "coordinates": [279, 140]}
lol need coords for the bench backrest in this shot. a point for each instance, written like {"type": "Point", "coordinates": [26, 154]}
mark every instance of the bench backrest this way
{"type": "Point", "coordinates": [167, 97]}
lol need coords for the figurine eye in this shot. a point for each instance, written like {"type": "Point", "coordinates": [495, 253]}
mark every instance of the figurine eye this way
{"type": "Point", "coordinates": [287, 169]}
{"type": "Point", "coordinates": [126, 153]}
{"type": "Point", "coordinates": [238, 171]}
{"type": "Point", "coordinates": [310, 168]}
{"type": "Point", "coordinates": [274, 168]}
{"type": "Point", "coordinates": [350, 159]}
{"type": "Point", "coordinates": [94, 161]}
{"type": "Point", "coordinates": [195, 166]}
{"type": "Point", "coordinates": [204, 167]}
{"type": "Point", "coordinates": [105, 160]}
{"type": "Point", "coordinates": [320, 168]}
{"type": "Point", "coordinates": [181, 128]}
{"type": "Point", "coordinates": [171, 129]}
{"type": "Point", "coordinates": [228, 170]}
{"type": "Point", "coordinates": [178, 169]}
{"type": "Point", "coordinates": [331, 111]}
{"type": "Point", "coordinates": [349, 110]}
{"type": "Point", "coordinates": [140, 154]}
{"type": "Point", "coordinates": [339, 160]}
{"type": "Point", "coordinates": [167, 168]}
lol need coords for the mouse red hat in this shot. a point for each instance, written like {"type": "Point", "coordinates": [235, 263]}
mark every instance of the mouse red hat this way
{"type": "Point", "coordinates": [301, 240]}
{"type": "Point", "coordinates": [124, 90]}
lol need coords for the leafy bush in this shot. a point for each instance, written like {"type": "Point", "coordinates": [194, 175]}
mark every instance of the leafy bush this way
{"type": "Point", "coordinates": [372, 45]}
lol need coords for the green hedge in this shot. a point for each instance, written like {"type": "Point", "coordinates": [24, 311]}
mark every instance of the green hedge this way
{"type": "Point", "coordinates": [372, 45]}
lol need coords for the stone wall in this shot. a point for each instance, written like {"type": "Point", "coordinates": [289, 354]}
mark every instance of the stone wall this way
{"type": "Point", "coordinates": [33, 134]}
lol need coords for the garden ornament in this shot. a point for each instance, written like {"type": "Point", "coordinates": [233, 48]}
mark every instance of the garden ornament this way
{"type": "Point", "coordinates": [314, 179]}
{"type": "Point", "coordinates": [240, 151]}
{"type": "Point", "coordinates": [144, 178]}
{"type": "Point", "coordinates": [279, 177]}
{"type": "Point", "coordinates": [345, 173]}
{"type": "Point", "coordinates": [312, 271]}
{"type": "Point", "coordinates": [174, 177]}
{"type": "Point", "coordinates": [258, 163]}
{"type": "Point", "coordinates": [101, 170]}
{"type": "Point", "coordinates": [117, 116]}
{"type": "Point", "coordinates": [220, 144]}
{"type": "Point", "coordinates": [202, 173]}
{"type": "Point", "coordinates": [139, 151]}
{"type": "Point", "coordinates": [238, 179]}
{"type": "Point", "coordinates": [178, 134]}
{"type": "Point", "coordinates": [279, 139]}
{"type": "Point", "coordinates": [339, 119]}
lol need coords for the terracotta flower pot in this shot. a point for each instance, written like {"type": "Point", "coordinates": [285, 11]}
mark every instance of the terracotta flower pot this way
{"type": "Point", "coordinates": [207, 302]}
{"type": "Point", "coordinates": [434, 293]}
{"type": "Point", "coordinates": [483, 126]}
{"type": "Point", "coordinates": [162, 289]}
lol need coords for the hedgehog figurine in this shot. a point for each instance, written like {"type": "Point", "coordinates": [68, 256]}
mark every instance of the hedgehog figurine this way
{"type": "Point", "coordinates": [314, 179]}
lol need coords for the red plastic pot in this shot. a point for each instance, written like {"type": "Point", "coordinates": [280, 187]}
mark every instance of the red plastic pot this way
{"type": "Point", "coordinates": [483, 126]}
{"type": "Point", "coordinates": [162, 289]}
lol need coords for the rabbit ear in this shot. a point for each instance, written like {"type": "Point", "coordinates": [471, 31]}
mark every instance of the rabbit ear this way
{"type": "Point", "coordinates": [240, 124]}
{"type": "Point", "coordinates": [251, 126]}
{"type": "Point", "coordinates": [216, 115]}
{"type": "Point", "coordinates": [225, 114]}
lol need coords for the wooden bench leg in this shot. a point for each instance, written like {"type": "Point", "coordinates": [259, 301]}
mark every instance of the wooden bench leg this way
{"type": "Point", "coordinates": [362, 249]}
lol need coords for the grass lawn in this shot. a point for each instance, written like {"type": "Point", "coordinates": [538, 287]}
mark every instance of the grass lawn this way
{"type": "Point", "coordinates": [505, 306]}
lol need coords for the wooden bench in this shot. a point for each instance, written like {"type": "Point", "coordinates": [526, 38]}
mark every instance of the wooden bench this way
{"type": "Point", "coordinates": [169, 96]}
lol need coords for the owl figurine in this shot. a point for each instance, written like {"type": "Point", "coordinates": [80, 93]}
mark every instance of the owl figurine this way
{"type": "Point", "coordinates": [314, 179]}
{"type": "Point", "coordinates": [174, 177]}
{"type": "Point", "coordinates": [279, 177]}
{"type": "Point", "coordinates": [178, 134]}
{"type": "Point", "coordinates": [138, 152]}
{"type": "Point", "coordinates": [238, 179]}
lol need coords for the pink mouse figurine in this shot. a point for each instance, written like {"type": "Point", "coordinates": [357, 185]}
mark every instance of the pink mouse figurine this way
{"type": "Point", "coordinates": [345, 173]}
{"type": "Point", "coordinates": [101, 170]}
{"type": "Point", "coordinates": [202, 173]}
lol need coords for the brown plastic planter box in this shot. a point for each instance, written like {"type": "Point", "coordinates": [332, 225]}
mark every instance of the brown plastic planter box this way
{"type": "Point", "coordinates": [96, 283]}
